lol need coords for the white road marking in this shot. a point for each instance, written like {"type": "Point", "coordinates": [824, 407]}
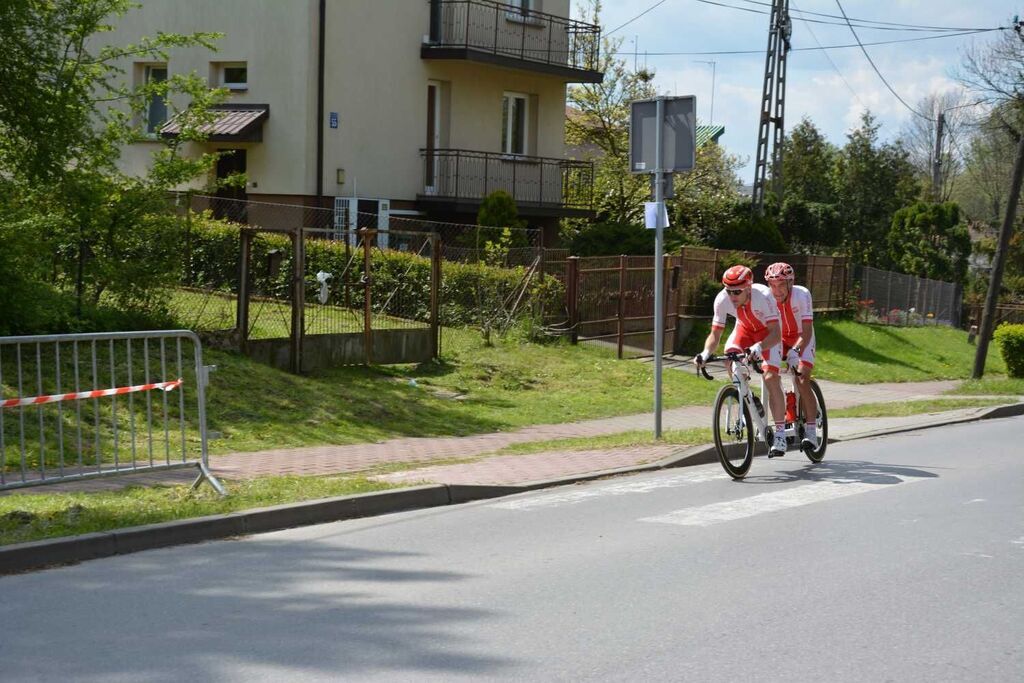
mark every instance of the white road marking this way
{"type": "Point", "coordinates": [571, 496]}
{"type": "Point", "coordinates": [728, 511]}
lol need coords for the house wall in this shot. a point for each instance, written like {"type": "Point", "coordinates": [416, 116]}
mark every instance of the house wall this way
{"type": "Point", "coordinates": [375, 80]}
{"type": "Point", "coordinates": [277, 40]}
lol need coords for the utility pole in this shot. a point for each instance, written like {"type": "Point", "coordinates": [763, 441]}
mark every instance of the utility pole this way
{"type": "Point", "coordinates": [937, 161]}
{"type": "Point", "coordinates": [713, 64]}
{"type": "Point", "coordinates": [773, 104]}
{"type": "Point", "coordinates": [995, 281]}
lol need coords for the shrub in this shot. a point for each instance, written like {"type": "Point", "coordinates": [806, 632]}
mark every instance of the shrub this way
{"type": "Point", "coordinates": [1010, 339]}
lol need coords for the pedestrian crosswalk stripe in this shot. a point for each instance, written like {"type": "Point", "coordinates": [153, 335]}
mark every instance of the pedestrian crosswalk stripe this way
{"type": "Point", "coordinates": [731, 510]}
{"type": "Point", "coordinates": [620, 488]}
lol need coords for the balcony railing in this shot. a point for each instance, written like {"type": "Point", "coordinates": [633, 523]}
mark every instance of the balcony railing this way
{"type": "Point", "coordinates": [465, 176]}
{"type": "Point", "coordinates": [460, 28]}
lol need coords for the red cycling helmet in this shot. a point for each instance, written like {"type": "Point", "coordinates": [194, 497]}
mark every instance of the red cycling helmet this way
{"type": "Point", "coordinates": [779, 271]}
{"type": "Point", "coordinates": [738, 276]}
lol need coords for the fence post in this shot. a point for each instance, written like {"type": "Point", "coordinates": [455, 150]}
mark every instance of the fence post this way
{"type": "Point", "coordinates": [368, 236]}
{"type": "Point", "coordinates": [665, 284]}
{"type": "Point", "coordinates": [298, 298]}
{"type": "Point", "coordinates": [542, 262]}
{"type": "Point", "coordinates": [435, 293]}
{"type": "Point", "coordinates": [572, 283]}
{"type": "Point", "coordinates": [242, 313]}
{"type": "Point", "coordinates": [622, 304]}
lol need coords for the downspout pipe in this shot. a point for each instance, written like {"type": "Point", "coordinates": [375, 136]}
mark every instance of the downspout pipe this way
{"type": "Point", "coordinates": [320, 104]}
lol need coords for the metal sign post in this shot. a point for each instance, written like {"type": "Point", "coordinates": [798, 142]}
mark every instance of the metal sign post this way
{"type": "Point", "coordinates": [659, 275]}
{"type": "Point", "coordinates": [673, 122]}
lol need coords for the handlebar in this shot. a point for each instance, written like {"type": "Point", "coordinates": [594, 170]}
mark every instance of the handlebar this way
{"type": "Point", "coordinates": [733, 356]}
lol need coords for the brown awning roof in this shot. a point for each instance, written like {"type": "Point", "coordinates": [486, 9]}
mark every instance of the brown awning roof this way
{"type": "Point", "coordinates": [234, 123]}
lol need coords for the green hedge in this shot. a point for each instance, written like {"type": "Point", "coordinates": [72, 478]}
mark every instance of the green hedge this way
{"type": "Point", "coordinates": [1010, 339]}
{"type": "Point", "coordinates": [466, 288]}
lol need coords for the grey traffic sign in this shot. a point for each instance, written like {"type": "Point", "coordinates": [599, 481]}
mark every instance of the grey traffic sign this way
{"type": "Point", "coordinates": [678, 135]}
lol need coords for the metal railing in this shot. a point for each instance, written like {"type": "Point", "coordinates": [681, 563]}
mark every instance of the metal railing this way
{"type": "Point", "coordinates": [78, 406]}
{"type": "Point", "coordinates": [532, 181]}
{"type": "Point", "coordinates": [510, 31]}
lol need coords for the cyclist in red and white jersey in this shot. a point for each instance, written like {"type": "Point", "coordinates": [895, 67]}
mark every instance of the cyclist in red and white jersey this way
{"type": "Point", "coordinates": [757, 328]}
{"type": "Point", "coordinates": [796, 313]}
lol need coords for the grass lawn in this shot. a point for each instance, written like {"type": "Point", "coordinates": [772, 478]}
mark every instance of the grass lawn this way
{"type": "Point", "coordinates": [33, 516]}
{"type": "Point", "coordinates": [271, 318]}
{"type": "Point", "coordinates": [991, 386]}
{"type": "Point", "coordinates": [906, 408]}
{"type": "Point", "coordinates": [865, 354]}
{"type": "Point", "coordinates": [473, 389]}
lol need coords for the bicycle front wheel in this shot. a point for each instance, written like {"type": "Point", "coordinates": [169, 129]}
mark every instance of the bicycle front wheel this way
{"type": "Point", "coordinates": [821, 425]}
{"type": "Point", "coordinates": [734, 437]}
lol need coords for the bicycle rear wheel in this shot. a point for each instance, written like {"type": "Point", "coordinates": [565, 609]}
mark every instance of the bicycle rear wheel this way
{"type": "Point", "coordinates": [821, 425]}
{"type": "Point", "coordinates": [734, 438]}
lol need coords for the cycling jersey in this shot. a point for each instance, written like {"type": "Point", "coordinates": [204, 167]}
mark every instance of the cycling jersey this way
{"type": "Point", "coordinates": [752, 320]}
{"type": "Point", "coordinates": [793, 313]}
{"type": "Point", "coordinates": [753, 315]}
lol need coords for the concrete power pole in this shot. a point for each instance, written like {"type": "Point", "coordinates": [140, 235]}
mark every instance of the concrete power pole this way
{"type": "Point", "coordinates": [995, 281]}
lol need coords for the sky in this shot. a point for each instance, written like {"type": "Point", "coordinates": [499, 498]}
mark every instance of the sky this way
{"type": "Point", "coordinates": [831, 87]}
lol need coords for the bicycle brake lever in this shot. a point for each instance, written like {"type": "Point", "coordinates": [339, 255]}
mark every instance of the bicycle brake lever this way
{"type": "Point", "coordinates": [704, 372]}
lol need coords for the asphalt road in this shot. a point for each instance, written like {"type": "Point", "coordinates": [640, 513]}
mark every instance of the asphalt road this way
{"type": "Point", "coordinates": [898, 558]}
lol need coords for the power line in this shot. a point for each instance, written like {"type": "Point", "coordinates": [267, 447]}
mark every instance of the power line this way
{"type": "Point", "coordinates": [895, 27]}
{"type": "Point", "coordinates": [872, 62]}
{"type": "Point", "coordinates": [869, 21]}
{"type": "Point", "coordinates": [654, 6]}
{"type": "Point", "coordinates": [821, 47]}
{"type": "Point", "coordinates": [829, 58]}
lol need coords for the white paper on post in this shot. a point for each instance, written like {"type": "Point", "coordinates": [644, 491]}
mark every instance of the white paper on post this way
{"type": "Point", "coordinates": [651, 213]}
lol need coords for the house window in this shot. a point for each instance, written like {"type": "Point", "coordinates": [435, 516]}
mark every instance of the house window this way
{"type": "Point", "coordinates": [235, 76]}
{"type": "Point", "coordinates": [513, 123]}
{"type": "Point", "coordinates": [156, 110]}
{"type": "Point", "coordinates": [525, 5]}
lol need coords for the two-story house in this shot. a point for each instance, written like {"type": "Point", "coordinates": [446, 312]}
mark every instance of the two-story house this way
{"type": "Point", "coordinates": [400, 107]}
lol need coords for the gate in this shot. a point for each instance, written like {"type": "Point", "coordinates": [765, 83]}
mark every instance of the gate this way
{"type": "Point", "coordinates": [611, 299]}
{"type": "Point", "coordinates": [79, 406]}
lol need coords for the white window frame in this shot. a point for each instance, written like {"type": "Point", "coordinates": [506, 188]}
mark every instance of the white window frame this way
{"type": "Point", "coordinates": [231, 85]}
{"type": "Point", "coordinates": [152, 128]}
{"type": "Point", "coordinates": [507, 109]}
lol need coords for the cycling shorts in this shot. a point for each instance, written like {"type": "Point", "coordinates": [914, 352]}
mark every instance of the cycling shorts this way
{"type": "Point", "coordinates": [806, 356]}
{"type": "Point", "coordinates": [741, 338]}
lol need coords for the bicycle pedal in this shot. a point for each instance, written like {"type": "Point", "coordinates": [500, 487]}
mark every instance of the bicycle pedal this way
{"type": "Point", "coordinates": [775, 454]}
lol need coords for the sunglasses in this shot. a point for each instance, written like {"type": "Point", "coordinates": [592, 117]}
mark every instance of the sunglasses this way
{"type": "Point", "coordinates": [734, 292]}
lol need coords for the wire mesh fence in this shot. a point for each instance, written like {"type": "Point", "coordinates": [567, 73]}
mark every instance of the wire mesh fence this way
{"type": "Point", "coordinates": [356, 271]}
{"type": "Point", "coordinates": [888, 298]}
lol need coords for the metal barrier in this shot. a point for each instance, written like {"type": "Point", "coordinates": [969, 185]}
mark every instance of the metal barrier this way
{"type": "Point", "coordinates": [79, 406]}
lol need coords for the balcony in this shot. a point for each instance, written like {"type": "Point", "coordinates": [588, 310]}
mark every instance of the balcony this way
{"type": "Point", "coordinates": [505, 35]}
{"type": "Point", "coordinates": [458, 180]}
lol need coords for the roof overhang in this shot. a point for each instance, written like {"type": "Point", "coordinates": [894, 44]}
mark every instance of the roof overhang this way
{"type": "Point", "coordinates": [231, 123]}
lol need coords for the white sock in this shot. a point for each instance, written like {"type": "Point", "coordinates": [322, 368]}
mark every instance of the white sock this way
{"type": "Point", "coordinates": [810, 430]}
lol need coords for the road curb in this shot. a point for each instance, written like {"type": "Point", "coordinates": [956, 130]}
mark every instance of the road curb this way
{"type": "Point", "coordinates": [1010, 410]}
{"type": "Point", "coordinates": [23, 557]}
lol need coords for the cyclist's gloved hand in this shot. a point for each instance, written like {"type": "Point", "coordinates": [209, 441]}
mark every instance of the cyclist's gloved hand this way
{"type": "Point", "coordinates": [702, 357]}
{"type": "Point", "coordinates": [792, 358]}
{"type": "Point", "coordinates": [754, 352]}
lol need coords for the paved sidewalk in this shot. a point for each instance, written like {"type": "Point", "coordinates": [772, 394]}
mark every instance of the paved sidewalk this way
{"type": "Point", "coordinates": [509, 469]}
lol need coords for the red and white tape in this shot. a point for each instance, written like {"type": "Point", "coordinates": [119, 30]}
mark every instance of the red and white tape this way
{"type": "Point", "coordinates": [98, 393]}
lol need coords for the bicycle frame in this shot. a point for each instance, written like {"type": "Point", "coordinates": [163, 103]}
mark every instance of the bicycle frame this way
{"type": "Point", "coordinates": [740, 378]}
